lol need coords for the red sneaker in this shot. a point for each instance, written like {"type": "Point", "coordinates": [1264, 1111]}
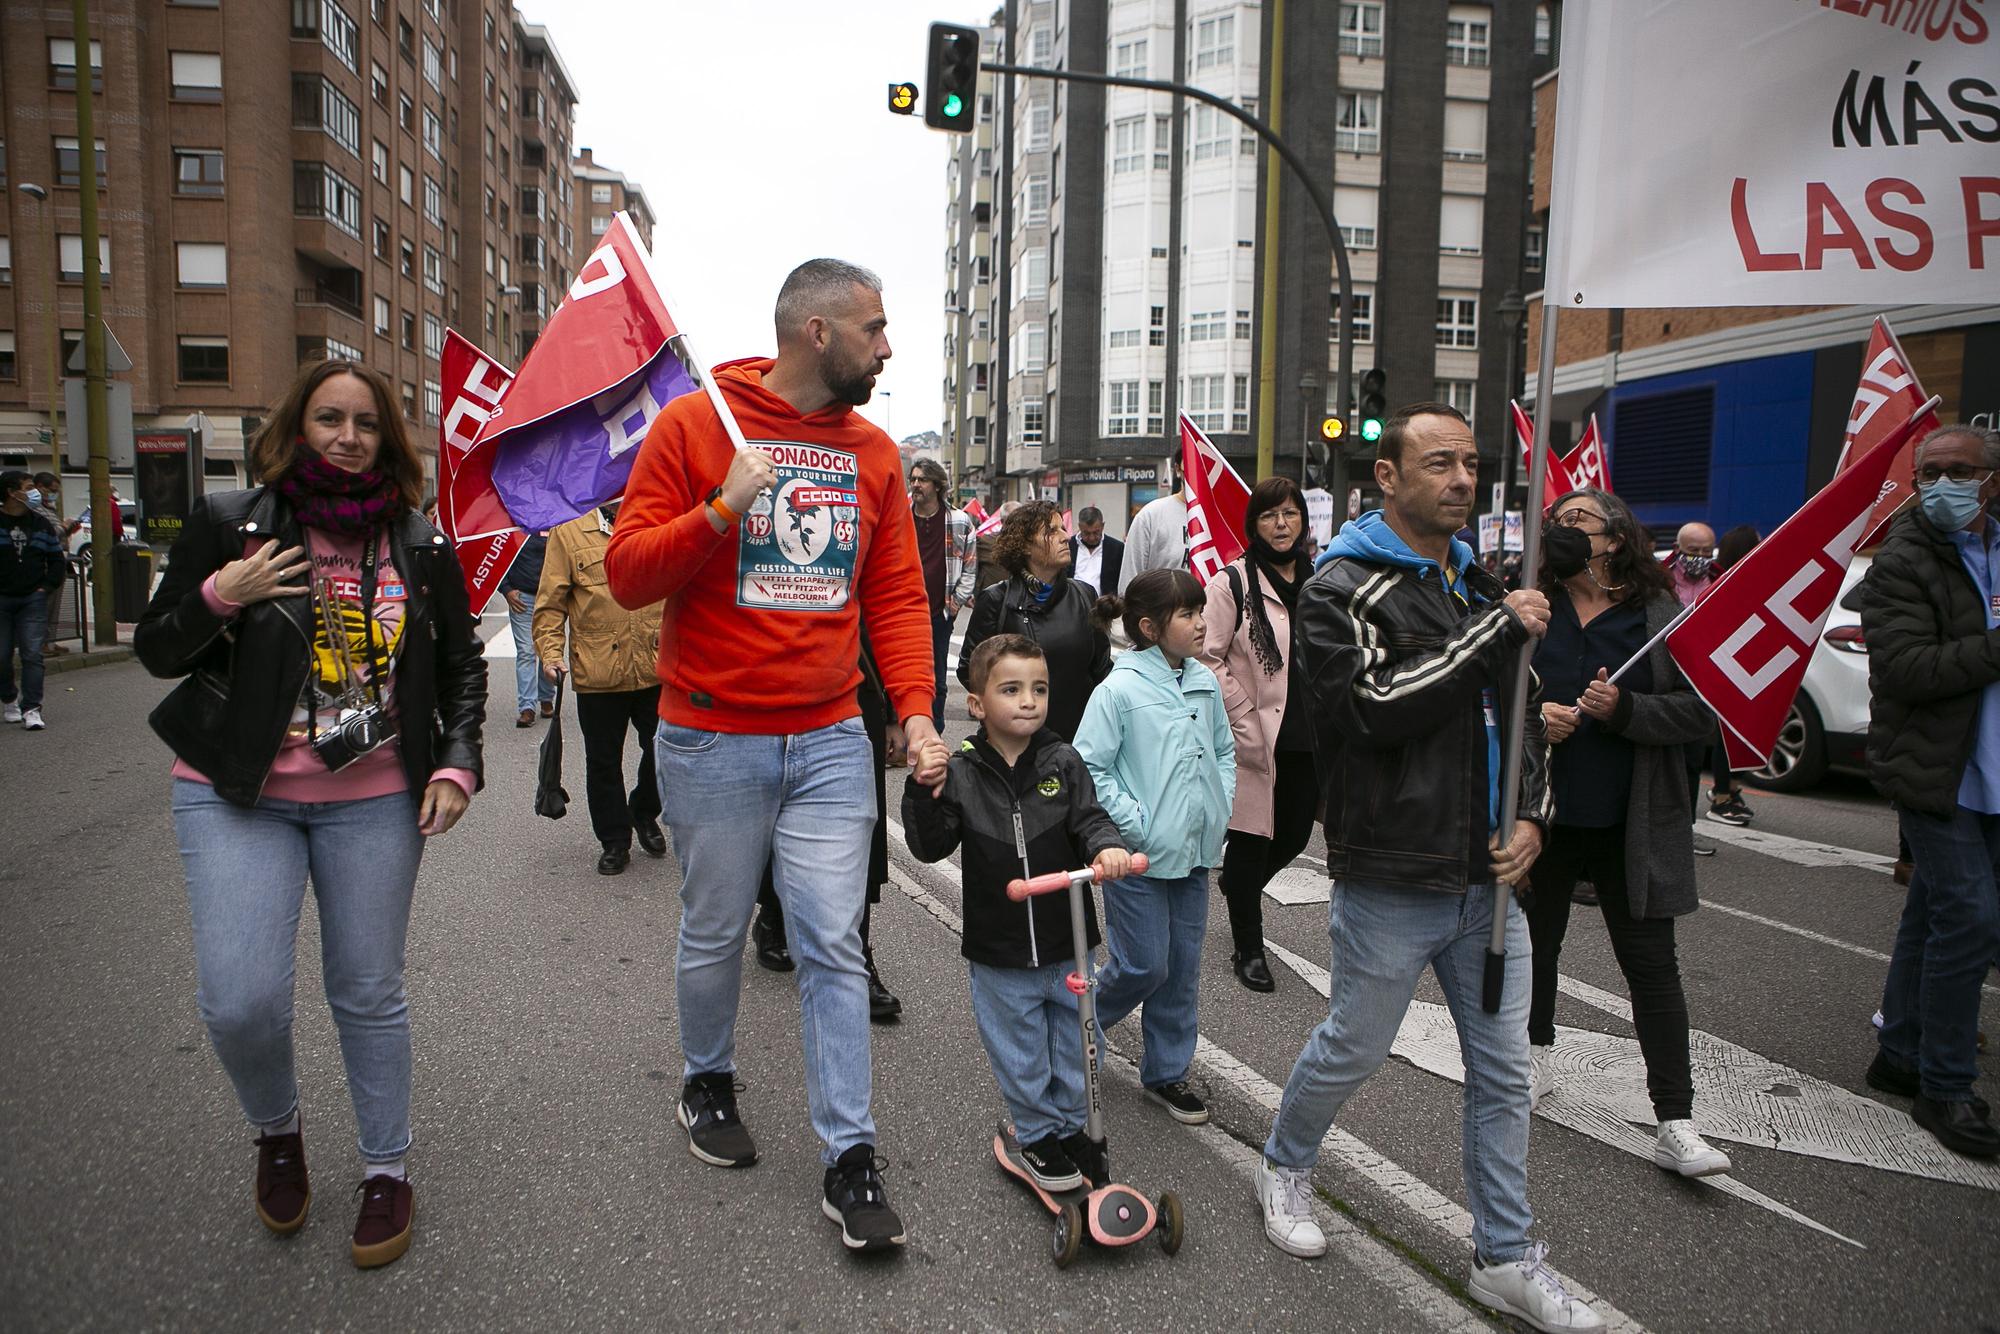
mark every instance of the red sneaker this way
{"type": "Point", "coordinates": [283, 1190]}
{"type": "Point", "coordinates": [382, 1232]}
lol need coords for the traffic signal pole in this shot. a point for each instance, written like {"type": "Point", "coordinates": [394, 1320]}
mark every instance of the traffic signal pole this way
{"type": "Point", "coordinates": [1344, 376]}
{"type": "Point", "coordinates": [104, 535]}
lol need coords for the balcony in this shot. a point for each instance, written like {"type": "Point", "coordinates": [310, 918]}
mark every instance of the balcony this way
{"type": "Point", "coordinates": [324, 295]}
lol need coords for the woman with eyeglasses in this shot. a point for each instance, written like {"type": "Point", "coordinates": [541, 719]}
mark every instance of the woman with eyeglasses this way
{"type": "Point", "coordinates": [1617, 775]}
{"type": "Point", "coordinates": [1248, 645]}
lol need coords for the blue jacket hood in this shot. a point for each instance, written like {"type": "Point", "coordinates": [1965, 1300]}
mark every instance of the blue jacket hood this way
{"type": "Point", "coordinates": [1370, 538]}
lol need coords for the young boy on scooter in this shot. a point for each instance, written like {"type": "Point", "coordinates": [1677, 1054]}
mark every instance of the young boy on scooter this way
{"type": "Point", "coordinates": [1018, 800]}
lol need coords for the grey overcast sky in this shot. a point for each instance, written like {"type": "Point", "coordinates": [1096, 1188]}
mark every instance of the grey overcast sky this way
{"type": "Point", "coordinates": [761, 133]}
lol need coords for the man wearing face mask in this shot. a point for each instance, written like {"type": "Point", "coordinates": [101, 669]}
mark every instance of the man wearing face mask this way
{"type": "Point", "coordinates": [30, 571]}
{"type": "Point", "coordinates": [1931, 615]}
{"type": "Point", "coordinates": [1690, 569]}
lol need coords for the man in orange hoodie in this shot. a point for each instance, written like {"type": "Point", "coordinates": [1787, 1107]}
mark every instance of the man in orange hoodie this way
{"type": "Point", "coordinates": [768, 558]}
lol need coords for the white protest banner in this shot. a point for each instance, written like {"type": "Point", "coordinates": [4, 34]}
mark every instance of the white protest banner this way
{"type": "Point", "coordinates": [1319, 514]}
{"type": "Point", "coordinates": [1778, 152]}
{"type": "Point", "coordinates": [1512, 537]}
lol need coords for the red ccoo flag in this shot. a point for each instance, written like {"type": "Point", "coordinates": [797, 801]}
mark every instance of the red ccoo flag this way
{"type": "Point", "coordinates": [1887, 395]}
{"type": "Point", "coordinates": [1588, 464]}
{"type": "Point", "coordinates": [469, 508]}
{"type": "Point", "coordinates": [1556, 482]}
{"type": "Point", "coordinates": [1217, 501]}
{"type": "Point", "coordinates": [1744, 648]}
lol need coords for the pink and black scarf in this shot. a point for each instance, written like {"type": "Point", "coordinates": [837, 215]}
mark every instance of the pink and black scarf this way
{"type": "Point", "coordinates": [334, 500]}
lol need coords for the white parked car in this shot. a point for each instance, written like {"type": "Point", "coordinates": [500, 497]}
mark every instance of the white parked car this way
{"type": "Point", "coordinates": [1828, 725]}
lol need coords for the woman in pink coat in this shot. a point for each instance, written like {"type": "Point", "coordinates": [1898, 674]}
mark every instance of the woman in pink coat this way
{"type": "Point", "coordinates": [1248, 645]}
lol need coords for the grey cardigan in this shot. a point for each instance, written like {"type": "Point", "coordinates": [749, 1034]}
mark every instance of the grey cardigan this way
{"type": "Point", "coordinates": [1660, 724]}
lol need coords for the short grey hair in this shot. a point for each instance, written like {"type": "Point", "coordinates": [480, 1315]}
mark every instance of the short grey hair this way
{"type": "Point", "coordinates": [1090, 514]}
{"type": "Point", "coordinates": [1988, 438]}
{"type": "Point", "coordinates": [816, 285]}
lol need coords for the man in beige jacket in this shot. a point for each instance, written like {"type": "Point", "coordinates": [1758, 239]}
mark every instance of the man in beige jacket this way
{"type": "Point", "coordinates": [613, 655]}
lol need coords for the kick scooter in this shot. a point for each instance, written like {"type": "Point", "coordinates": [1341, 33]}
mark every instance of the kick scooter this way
{"type": "Point", "coordinates": [1100, 1211]}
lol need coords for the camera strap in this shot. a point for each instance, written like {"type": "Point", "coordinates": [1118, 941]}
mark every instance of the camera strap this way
{"type": "Point", "coordinates": [327, 611]}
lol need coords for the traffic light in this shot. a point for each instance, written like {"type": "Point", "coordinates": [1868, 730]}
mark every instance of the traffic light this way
{"type": "Point", "coordinates": [1332, 428]}
{"type": "Point", "coordinates": [952, 75]}
{"type": "Point", "coordinates": [1374, 404]}
{"type": "Point", "coordinates": [903, 98]}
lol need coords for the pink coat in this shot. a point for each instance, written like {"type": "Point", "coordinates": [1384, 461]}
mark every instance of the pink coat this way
{"type": "Point", "coordinates": [1255, 702]}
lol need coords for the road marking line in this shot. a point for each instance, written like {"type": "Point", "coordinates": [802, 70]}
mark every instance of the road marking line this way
{"type": "Point", "coordinates": [1428, 1039]}
{"type": "Point", "coordinates": [1798, 851]}
{"type": "Point", "coordinates": [1814, 936]}
{"type": "Point", "coordinates": [1416, 1197]}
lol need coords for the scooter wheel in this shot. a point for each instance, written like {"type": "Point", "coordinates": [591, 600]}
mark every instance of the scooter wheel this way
{"type": "Point", "coordinates": [1172, 1225]}
{"type": "Point", "coordinates": [1066, 1242]}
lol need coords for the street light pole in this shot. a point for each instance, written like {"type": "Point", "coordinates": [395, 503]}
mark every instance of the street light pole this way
{"type": "Point", "coordinates": [96, 383]}
{"type": "Point", "coordinates": [1308, 392]}
{"type": "Point", "coordinates": [40, 194]}
{"type": "Point", "coordinates": [1512, 311]}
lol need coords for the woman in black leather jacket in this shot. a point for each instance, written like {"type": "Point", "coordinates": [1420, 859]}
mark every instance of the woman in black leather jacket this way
{"type": "Point", "coordinates": [1041, 601]}
{"type": "Point", "coordinates": [328, 723]}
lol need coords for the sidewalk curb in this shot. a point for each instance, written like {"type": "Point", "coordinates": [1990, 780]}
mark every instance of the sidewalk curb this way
{"type": "Point", "coordinates": [76, 662]}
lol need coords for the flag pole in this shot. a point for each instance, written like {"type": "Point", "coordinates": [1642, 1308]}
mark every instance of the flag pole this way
{"type": "Point", "coordinates": [696, 367]}
{"type": "Point", "coordinates": [1647, 647]}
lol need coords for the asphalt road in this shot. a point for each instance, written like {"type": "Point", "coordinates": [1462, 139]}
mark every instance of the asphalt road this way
{"type": "Point", "coordinates": [555, 1191]}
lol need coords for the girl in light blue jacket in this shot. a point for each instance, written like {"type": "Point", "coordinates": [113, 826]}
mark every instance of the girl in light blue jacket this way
{"type": "Point", "coordinates": [1156, 739]}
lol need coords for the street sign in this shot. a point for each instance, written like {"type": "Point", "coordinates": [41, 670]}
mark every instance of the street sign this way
{"type": "Point", "coordinates": [76, 443]}
{"type": "Point", "coordinates": [115, 360]}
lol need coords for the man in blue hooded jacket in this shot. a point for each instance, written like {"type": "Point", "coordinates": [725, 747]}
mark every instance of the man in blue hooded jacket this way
{"type": "Point", "coordinates": [1408, 646]}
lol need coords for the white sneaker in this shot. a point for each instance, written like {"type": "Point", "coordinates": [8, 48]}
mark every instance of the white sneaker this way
{"type": "Point", "coordinates": [1285, 1193]}
{"type": "Point", "coordinates": [10, 712]}
{"type": "Point", "coordinates": [1530, 1289]}
{"type": "Point", "coordinates": [32, 720]}
{"type": "Point", "coordinates": [1679, 1149]}
{"type": "Point", "coordinates": [1543, 1081]}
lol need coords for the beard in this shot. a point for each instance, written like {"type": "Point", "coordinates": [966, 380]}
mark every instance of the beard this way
{"type": "Point", "coordinates": [848, 384]}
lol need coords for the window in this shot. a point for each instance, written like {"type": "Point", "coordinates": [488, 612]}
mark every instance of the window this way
{"type": "Point", "coordinates": [1458, 321]}
{"type": "Point", "coordinates": [433, 401]}
{"type": "Point", "coordinates": [1209, 133]}
{"type": "Point", "coordinates": [1035, 193]}
{"type": "Point", "coordinates": [7, 365]}
{"type": "Point", "coordinates": [490, 317]}
{"type": "Point", "coordinates": [1163, 142]}
{"type": "Point", "coordinates": [1359, 127]}
{"type": "Point", "coordinates": [1034, 275]}
{"type": "Point", "coordinates": [1121, 407]}
{"type": "Point", "coordinates": [6, 259]}
{"type": "Point", "coordinates": [434, 269]}
{"type": "Point", "coordinates": [406, 39]}
{"type": "Point", "coordinates": [600, 224]}
{"type": "Point", "coordinates": [378, 84]}
{"type": "Point", "coordinates": [318, 105]}
{"type": "Point", "coordinates": [1464, 131]}
{"type": "Point", "coordinates": [1544, 31]}
{"type": "Point", "coordinates": [410, 330]}
{"type": "Point", "coordinates": [378, 161]}
{"type": "Point", "coordinates": [1364, 318]}
{"type": "Point", "coordinates": [1215, 43]}
{"type": "Point", "coordinates": [204, 360]}
{"type": "Point", "coordinates": [1243, 325]}
{"type": "Point", "coordinates": [409, 400]}
{"type": "Point", "coordinates": [433, 336]}
{"type": "Point", "coordinates": [1239, 415]}
{"type": "Point", "coordinates": [1156, 331]}
{"type": "Point", "coordinates": [531, 201]}
{"type": "Point", "coordinates": [1361, 29]}
{"type": "Point", "coordinates": [69, 162]}
{"type": "Point", "coordinates": [327, 21]}
{"type": "Point", "coordinates": [1156, 406]}
{"type": "Point", "coordinates": [382, 239]}
{"type": "Point", "coordinates": [315, 347]}
{"type": "Point", "coordinates": [1039, 114]}
{"type": "Point", "coordinates": [407, 264]}
{"type": "Point", "coordinates": [1354, 209]}
{"type": "Point", "coordinates": [1458, 393]}
{"type": "Point", "coordinates": [1032, 417]}
{"type": "Point", "coordinates": [1460, 218]}
{"type": "Point", "coordinates": [1041, 45]}
{"type": "Point", "coordinates": [980, 375]}
{"type": "Point", "coordinates": [69, 261]}
{"type": "Point", "coordinates": [433, 65]}
{"type": "Point", "coordinates": [1465, 35]}
{"type": "Point", "coordinates": [1034, 349]}
{"type": "Point", "coordinates": [1532, 249]}
{"type": "Point", "coordinates": [977, 427]}
{"type": "Point", "coordinates": [1208, 326]}
{"type": "Point", "coordinates": [1129, 59]}
{"type": "Point", "coordinates": [1246, 140]}
{"type": "Point", "coordinates": [433, 201]}
{"type": "Point", "coordinates": [600, 194]}
{"type": "Point", "coordinates": [534, 251]}
{"type": "Point", "coordinates": [202, 263]}
{"type": "Point", "coordinates": [406, 185]}
{"type": "Point", "coordinates": [433, 134]}
{"type": "Point", "coordinates": [1205, 401]}
{"type": "Point", "coordinates": [382, 315]}
{"type": "Point", "coordinates": [318, 191]}
{"type": "Point", "coordinates": [1121, 338]}
{"type": "Point", "coordinates": [195, 76]}
{"type": "Point", "coordinates": [62, 64]}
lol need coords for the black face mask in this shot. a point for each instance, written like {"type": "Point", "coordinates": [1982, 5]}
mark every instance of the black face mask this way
{"type": "Point", "coordinates": [1567, 550]}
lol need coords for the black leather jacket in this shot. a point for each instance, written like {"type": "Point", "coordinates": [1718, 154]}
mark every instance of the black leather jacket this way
{"type": "Point", "coordinates": [1079, 654]}
{"type": "Point", "coordinates": [245, 674]}
{"type": "Point", "coordinates": [1397, 668]}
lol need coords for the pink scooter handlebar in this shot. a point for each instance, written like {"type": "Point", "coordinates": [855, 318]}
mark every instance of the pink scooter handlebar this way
{"type": "Point", "coordinates": [1019, 890]}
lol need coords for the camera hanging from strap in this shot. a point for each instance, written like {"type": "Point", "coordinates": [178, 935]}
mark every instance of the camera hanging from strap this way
{"type": "Point", "coordinates": [335, 629]}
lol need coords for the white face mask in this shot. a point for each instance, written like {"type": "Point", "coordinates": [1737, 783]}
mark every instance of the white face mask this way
{"type": "Point", "coordinates": [34, 497]}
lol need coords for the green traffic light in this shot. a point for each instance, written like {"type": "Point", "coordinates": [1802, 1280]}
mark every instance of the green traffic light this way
{"type": "Point", "coordinates": [953, 106]}
{"type": "Point", "coordinates": [1371, 430]}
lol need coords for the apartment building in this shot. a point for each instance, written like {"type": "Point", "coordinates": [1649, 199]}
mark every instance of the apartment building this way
{"type": "Point", "coordinates": [970, 294]}
{"type": "Point", "coordinates": [1737, 414]}
{"type": "Point", "coordinates": [601, 194]}
{"type": "Point", "coordinates": [414, 153]}
{"type": "Point", "coordinates": [1137, 236]}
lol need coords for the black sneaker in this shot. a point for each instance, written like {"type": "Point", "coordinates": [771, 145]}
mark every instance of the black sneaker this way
{"type": "Point", "coordinates": [883, 1006]}
{"type": "Point", "coordinates": [1092, 1157]}
{"type": "Point", "coordinates": [1050, 1164]}
{"type": "Point", "coordinates": [855, 1199]}
{"type": "Point", "coordinates": [715, 1132]}
{"type": "Point", "coordinates": [1885, 1076]}
{"type": "Point", "coordinates": [769, 940]}
{"type": "Point", "coordinates": [1180, 1100]}
{"type": "Point", "coordinates": [1729, 809]}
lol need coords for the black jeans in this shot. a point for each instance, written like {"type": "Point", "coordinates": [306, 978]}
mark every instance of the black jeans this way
{"type": "Point", "coordinates": [1644, 948]}
{"type": "Point", "coordinates": [603, 718]}
{"type": "Point", "coordinates": [941, 627]}
{"type": "Point", "coordinates": [1250, 860]}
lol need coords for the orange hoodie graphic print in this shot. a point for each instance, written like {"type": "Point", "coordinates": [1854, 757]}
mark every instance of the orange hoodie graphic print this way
{"type": "Point", "coordinates": [800, 539]}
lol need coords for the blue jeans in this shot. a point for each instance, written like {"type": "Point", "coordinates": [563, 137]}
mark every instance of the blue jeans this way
{"type": "Point", "coordinates": [530, 685]}
{"type": "Point", "coordinates": [247, 869]}
{"type": "Point", "coordinates": [1153, 930]}
{"type": "Point", "coordinates": [806, 805]}
{"type": "Point", "coordinates": [1944, 945]}
{"type": "Point", "coordinates": [1383, 939]}
{"type": "Point", "coordinates": [1028, 1024]}
{"type": "Point", "coordinates": [24, 625]}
